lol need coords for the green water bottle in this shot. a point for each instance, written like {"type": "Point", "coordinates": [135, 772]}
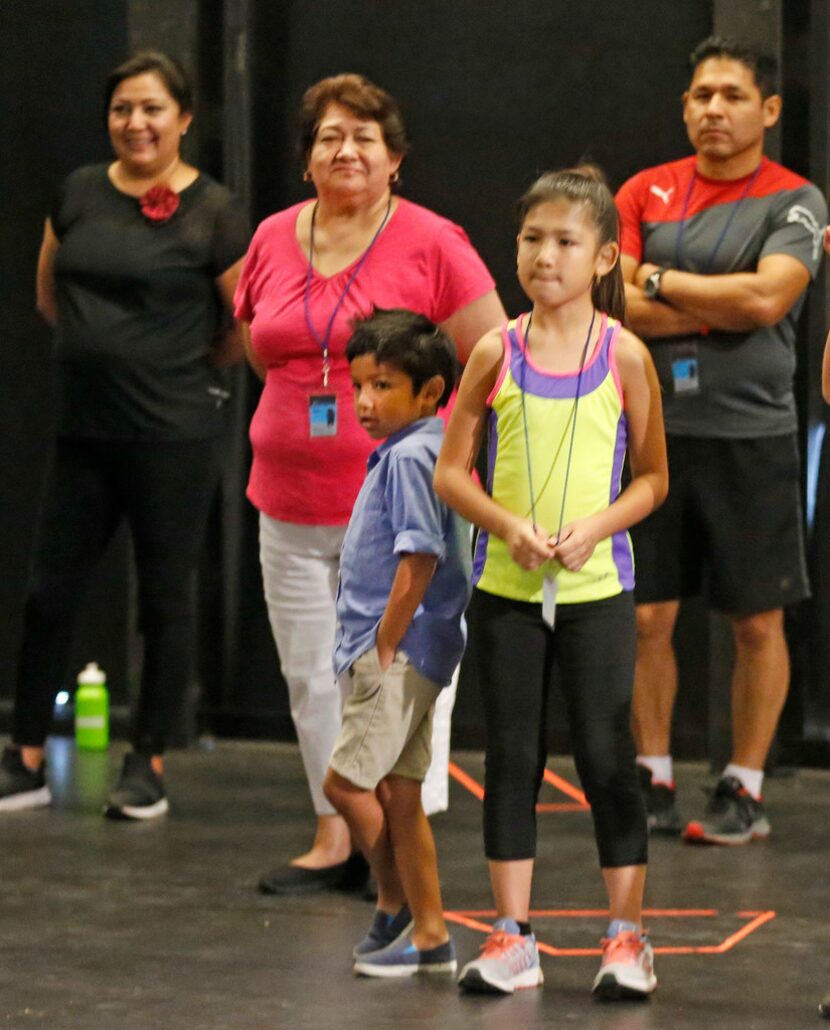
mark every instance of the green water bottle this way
{"type": "Point", "coordinates": [92, 716]}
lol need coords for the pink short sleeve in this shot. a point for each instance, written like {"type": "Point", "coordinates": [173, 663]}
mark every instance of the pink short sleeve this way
{"type": "Point", "coordinates": [459, 276]}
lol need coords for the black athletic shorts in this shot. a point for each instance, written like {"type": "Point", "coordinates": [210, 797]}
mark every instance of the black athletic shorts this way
{"type": "Point", "coordinates": [731, 526]}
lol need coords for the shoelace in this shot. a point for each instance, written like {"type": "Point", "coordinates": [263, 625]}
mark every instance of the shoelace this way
{"type": "Point", "coordinates": [726, 791]}
{"type": "Point", "coordinates": [498, 942]}
{"type": "Point", "coordinates": [625, 945]}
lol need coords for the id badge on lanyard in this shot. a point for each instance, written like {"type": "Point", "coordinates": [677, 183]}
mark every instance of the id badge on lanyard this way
{"type": "Point", "coordinates": [322, 407]}
{"type": "Point", "coordinates": [549, 589]}
{"type": "Point", "coordinates": [685, 369]}
{"type": "Point", "coordinates": [322, 414]}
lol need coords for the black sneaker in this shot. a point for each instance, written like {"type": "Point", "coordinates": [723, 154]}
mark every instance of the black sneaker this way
{"type": "Point", "coordinates": [732, 816]}
{"type": "Point", "coordinates": [139, 792]}
{"type": "Point", "coordinates": [661, 810]}
{"type": "Point", "coordinates": [21, 787]}
{"type": "Point", "coordinates": [824, 1006]}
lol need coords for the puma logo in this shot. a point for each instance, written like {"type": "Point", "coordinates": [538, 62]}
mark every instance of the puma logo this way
{"type": "Point", "coordinates": [664, 195]}
{"type": "Point", "coordinates": [805, 217]}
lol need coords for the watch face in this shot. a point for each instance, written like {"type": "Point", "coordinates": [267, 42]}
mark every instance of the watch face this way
{"type": "Point", "coordinates": [652, 284]}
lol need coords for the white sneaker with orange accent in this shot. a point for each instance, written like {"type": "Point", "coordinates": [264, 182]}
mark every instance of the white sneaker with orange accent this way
{"type": "Point", "coordinates": [508, 962]}
{"type": "Point", "coordinates": [627, 968]}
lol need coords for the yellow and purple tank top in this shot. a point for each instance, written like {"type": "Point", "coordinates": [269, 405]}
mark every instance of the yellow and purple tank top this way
{"type": "Point", "coordinates": [593, 483]}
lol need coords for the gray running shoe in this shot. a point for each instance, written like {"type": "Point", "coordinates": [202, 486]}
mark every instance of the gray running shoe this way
{"type": "Point", "coordinates": [732, 816]}
{"type": "Point", "coordinates": [509, 962]}
{"type": "Point", "coordinates": [627, 968]}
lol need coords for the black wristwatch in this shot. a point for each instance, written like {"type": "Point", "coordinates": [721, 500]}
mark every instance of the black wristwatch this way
{"type": "Point", "coordinates": [651, 287]}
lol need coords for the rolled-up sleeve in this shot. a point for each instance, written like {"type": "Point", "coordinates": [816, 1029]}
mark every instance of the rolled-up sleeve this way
{"type": "Point", "coordinates": [418, 517]}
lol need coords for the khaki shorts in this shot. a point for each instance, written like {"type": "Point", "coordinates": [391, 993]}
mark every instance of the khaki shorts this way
{"type": "Point", "coordinates": [387, 723]}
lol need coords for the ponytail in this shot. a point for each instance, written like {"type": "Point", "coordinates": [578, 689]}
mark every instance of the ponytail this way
{"type": "Point", "coordinates": [608, 293]}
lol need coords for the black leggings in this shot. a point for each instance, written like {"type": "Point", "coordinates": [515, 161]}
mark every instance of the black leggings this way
{"type": "Point", "coordinates": [594, 647]}
{"type": "Point", "coordinates": [163, 489]}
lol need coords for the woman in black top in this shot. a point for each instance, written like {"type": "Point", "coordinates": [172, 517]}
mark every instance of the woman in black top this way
{"type": "Point", "coordinates": [136, 272]}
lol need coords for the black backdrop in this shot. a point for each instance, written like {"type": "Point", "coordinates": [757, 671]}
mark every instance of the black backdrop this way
{"type": "Point", "coordinates": [56, 57]}
{"type": "Point", "coordinates": [492, 94]}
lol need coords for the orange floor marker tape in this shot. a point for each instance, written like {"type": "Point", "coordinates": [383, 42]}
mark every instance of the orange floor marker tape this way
{"type": "Point", "coordinates": [472, 786]}
{"type": "Point", "coordinates": [579, 803]}
{"type": "Point", "coordinates": [473, 919]}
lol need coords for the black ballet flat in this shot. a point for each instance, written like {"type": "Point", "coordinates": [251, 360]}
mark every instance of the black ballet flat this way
{"type": "Point", "coordinates": [351, 875]}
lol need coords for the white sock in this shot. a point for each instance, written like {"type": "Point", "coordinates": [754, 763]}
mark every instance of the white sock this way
{"type": "Point", "coordinates": [661, 768]}
{"type": "Point", "coordinates": [752, 780]}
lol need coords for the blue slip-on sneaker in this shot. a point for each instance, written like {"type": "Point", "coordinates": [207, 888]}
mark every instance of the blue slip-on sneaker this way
{"type": "Point", "coordinates": [385, 930]}
{"type": "Point", "coordinates": [402, 958]}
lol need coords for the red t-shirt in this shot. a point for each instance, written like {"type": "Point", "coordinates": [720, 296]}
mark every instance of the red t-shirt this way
{"type": "Point", "coordinates": [420, 261]}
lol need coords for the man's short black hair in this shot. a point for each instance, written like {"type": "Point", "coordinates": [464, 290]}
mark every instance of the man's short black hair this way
{"type": "Point", "coordinates": [763, 66]}
{"type": "Point", "coordinates": [408, 342]}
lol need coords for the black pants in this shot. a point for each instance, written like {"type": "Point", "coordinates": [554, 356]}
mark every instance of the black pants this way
{"type": "Point", "coordinates": [594, 647]}
{"type": "Point", "coordinates": [163, 489]}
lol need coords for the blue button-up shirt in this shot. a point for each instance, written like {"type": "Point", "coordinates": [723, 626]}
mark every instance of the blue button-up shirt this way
{"type": "Point", "coordinates": [397, 512]}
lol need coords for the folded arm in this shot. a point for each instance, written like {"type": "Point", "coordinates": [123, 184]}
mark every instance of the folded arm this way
{"type": "Point", "coordinates": [736, 302]}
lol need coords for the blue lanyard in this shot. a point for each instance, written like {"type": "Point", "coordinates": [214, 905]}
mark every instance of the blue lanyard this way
{"type": "Point", "coordinates": [681, 228]}
{"type": "Point", "coordinates": [572, 420]}
{"type": "Point", "coordinates": [324, 340]}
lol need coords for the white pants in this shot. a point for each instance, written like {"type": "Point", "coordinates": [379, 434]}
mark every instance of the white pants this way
{"type": "Point", "coordinates": [299, 574]}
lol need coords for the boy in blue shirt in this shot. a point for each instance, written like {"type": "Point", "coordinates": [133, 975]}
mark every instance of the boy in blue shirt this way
{"type": "Point", "coordinates": [404, 586]}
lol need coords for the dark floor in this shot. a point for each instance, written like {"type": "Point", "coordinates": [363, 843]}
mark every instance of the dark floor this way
{"type": "Point", "coordinates": [124, 925]}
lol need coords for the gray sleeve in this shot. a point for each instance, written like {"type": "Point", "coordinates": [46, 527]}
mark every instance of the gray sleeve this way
{"type": "Point", "coordinates": [796, 225]}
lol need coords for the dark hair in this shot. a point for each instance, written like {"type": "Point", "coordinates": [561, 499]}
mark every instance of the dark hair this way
{"type": "Point", "coordinates": [169, 70]}
{"type": "Point", "coordinates": [363, 98]}
{"type": "Point", "coordinates": [585, 185]}
{"type": "Point", "coordinates": [763, 66]}
{"type": "Point", "coordinates": [410, 343]}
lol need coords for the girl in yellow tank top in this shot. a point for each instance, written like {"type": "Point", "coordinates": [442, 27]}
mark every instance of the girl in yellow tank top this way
{"type": "Point", "coordinates": [562, 393]}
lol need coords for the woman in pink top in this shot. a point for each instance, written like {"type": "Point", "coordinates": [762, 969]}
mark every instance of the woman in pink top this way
{"type": "Point", "coordinates": [310, 271]}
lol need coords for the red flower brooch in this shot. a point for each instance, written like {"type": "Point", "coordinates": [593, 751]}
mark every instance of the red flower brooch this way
{"type": "Point", "coordinates": [159, 204]}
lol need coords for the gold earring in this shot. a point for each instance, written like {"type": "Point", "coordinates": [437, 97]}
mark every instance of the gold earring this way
{"type": "Point", "coordinates": [394, 177]}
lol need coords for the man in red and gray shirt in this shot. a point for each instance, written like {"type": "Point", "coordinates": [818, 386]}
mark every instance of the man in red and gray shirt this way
{"type": "Point", "coordinates": [718, 250]}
